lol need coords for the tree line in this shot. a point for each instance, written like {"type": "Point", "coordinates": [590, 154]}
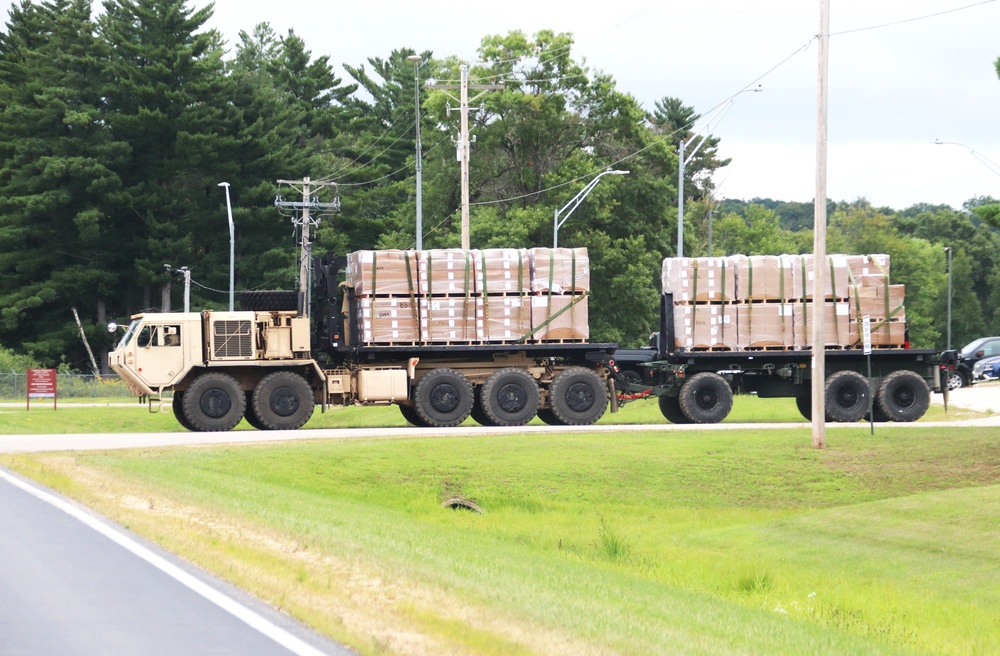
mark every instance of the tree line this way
{"type": "Point", "coordinates": [116, 130]}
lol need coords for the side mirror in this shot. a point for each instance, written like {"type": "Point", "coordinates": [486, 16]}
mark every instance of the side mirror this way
{"type": "Point", "coordinates": [980, 353]}
{"type": "Point", "coordinates": [112, 327]}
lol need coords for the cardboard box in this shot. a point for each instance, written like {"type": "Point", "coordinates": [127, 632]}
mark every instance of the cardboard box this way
{"type": "Point", "coordinates": [764, 277]}
{"type": "Point", "coordinates": [766, 325]}
{"type": "Point", "coordinates": [699, 279]}
{"type": "Point", "coordinates": [502, 271]}
{"type": "Point", "coordinates": [704, 326]}
{"type": "Point", "coordinates": [837, 326]}
{"type": "Point", "coordinates": [382, 273]}
{"type": "Point", "coordinates": [559, 317]}
{"type": "Point", "coordinates": [889, 334]}
{"type": "Point", "coordinates": [448, 319]}
{"type": "Point", "coordinates": [559, 270]}
{"type": "Point", "coordinates": [877, 301]}
{"type": "Point", "coordinates": [388, 321]}
{"type": "Point", "coordinates": [836, 278]}
{"type": "Point", "coordinates": [503, 318]}
{"type": "Point", "coordinates": [867, 265]}
{"type": "Point", "coordinates": [448, 271]}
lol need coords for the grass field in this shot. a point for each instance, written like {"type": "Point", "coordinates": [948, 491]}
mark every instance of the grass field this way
{"type": "Point", "coordinates": [746, 542]}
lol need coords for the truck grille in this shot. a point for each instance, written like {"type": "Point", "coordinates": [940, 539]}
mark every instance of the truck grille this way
{"type": "Point", "coordinates": [232, 339]}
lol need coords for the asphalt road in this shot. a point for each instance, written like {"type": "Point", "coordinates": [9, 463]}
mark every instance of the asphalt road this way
{"type": "Point", "coordinates": [75, 584]}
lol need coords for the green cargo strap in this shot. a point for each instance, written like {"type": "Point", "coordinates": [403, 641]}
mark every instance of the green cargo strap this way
{"type": "Point", "coordinates": [723, 280]}
{"type": "Point", "coordinates": [857, 299]}
{"type": "Point", "coordinates": [430, 292]}
{"type": "Point", "coordinates": [750, 298]}
{"type": "Point", "coordinates": [552, 272]}
{"type": "Point", "coordinates": [833, 279]}
{"type": "Point", "coordinates": [486, 297]}
{"type": "Point", "coordinates": [413, 301]}
{"type": "Point", "coordinates": [572, 284]}
{"type": "Point", "coordinates": [374, 289]}
{"type": "Point", "coordinates": [781, 287]}
{"type": "Point", "coordinates": [576, 299]}
{"type": "Point", "coordinates": [694, 299]}
{"type": "Point", "coordinates": [886, 293]}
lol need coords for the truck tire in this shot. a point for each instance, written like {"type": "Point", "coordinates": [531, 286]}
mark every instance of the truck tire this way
{"type": "Point", "coordinates": [269, 300]}
{"type": "Point", "coordinates": [510, 397]}
{"type": "Point", "coordinates": [903, 396]}
{"type": "Point", "coordinates": [443, 398]}
{"type": "Point", "coordinates": [846, 396]}
{"type": "Point", "coordinates": [213, 402]}
{"type": "Point", "coordinates": [251, 416]}
{"type": "Point", "coordinates": [548, 418]}
{"type": "Point", "coordinates": [410, 415]}
{"type": "Point", "coordinates": [578, 397]}
{"type": "Point", "coordinates": [670, 408]}
{"type": "Point", "coordinates": [177, 407]}
{"type": "Point", "coordinates": [283, 401]}
{"type": "Point", "coordinates": [805, 406]}
{"type": "Point", "coordinates": [706, 398]}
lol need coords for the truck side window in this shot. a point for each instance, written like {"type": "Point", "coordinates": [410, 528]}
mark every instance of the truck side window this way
{"type": "Point", "coordinates": [171, 335]}
{"type": "Point", "coordinates": [146, 336]}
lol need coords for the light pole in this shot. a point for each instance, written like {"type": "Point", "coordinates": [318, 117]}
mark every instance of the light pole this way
{"type": "Point", "coordinates": [232, 245]}
{"type": "Point", "coordinates": [948, 251]}
{"type": "Point", "coordinates": [983, 159]}
{"type": "Point", "coordinates": [575, 202]}
{"type": "Point", "coordinates": [416, 106]}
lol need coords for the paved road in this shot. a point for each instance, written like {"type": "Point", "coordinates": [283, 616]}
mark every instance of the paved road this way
{"type": "Point", "coordinates": [72, 583]}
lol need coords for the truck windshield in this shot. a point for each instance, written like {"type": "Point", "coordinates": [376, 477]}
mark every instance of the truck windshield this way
{"type": "Point", "coordinates": [129, 334]}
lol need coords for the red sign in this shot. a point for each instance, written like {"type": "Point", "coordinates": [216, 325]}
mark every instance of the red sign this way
{"type": "Point", "coordinates": [42, 385]}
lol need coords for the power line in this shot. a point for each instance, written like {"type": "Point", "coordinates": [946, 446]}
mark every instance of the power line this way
{"type": "Point", "coordinates": [911, 20]}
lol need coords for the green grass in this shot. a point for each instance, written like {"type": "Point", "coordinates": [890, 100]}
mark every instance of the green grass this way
{"type": "Point", "coordinates": [118, 416]}
{"type": "Point", "coordinates": [632, 543]}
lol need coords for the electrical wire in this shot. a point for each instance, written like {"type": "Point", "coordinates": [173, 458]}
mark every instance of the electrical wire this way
{"type": "Point", "coordinates": [911, 20]}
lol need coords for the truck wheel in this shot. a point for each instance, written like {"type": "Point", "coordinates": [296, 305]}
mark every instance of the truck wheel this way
{"type": "Point", "coordinates": [903, 396]}
{"type": "Point", "coordinates": [706, 399]}
{"type": "Point", "coordinates": [547, 417]}
{"type": "Point", "coordinates": [670, 407]}
{"type": "Point", "coordinates": [578, 397]}
{"type": "Point", "coordinates": [177, 407]}
{"type": "Point", "coordinates": [213, 402]}
{"type": "Point", "coordinates": [251, 415]}
{"type": "Point", "coordinates": [805, 406]}
{"type": "Point", "coordinates": [846, 396]}
{"type": "Point", "coordinates": [443, 398]}
{"type": "Point", "coordinates": [411, 416]}
{"type": "Point", "coordinates": [283, 401]}
{"type": "Point", "coordinates": [477, 413]}
{"type": "Point", "coordinates": [510, 397]}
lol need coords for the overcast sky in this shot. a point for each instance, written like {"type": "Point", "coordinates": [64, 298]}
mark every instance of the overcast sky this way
{"type": "Point", "coordinates": [893, 89]}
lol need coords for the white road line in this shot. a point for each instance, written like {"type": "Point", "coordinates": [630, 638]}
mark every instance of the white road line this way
{"type": "Point", "coordinates": [228, 604]}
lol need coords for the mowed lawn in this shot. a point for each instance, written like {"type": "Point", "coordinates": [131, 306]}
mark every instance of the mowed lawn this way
{"type": "Point", "coordinates": [728, 542]}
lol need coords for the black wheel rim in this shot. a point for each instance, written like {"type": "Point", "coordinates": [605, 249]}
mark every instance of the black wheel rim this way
{"type": "Point", "coordinates": [215, 403]}
{"type": "Point", "coordinates": [580, 397]}
{"type": "Point", "coordinates": [283, 401]}
{"type": "Point", "coordinates": [848, 398]}
{"type": "Point", "coordinates": [904, 398]}
{"type": "Point", "coordinates": [444, 398]}
{"type": "Point", "coordinates": [512, 398]}
{"type": "Point", "coordinates": [707, 399]}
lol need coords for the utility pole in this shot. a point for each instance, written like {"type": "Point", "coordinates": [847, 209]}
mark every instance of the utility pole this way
{"type": "Point", "coordinates": [463, 140]}
{"type": "Point", "coordinates": [305, 248]}
{"type": "Point", "coordinates": [819, 237]}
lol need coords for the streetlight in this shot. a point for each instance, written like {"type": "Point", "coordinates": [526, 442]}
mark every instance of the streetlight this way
{"type": "Point", "coordinates": [682, 162]}
{"type": "Point", "coordinates": [575, 202]}
{"type": "Point", "coordinates": [983, 159]}
{"type": "Point", "coordinates": [232, 245]}
{"type": "Point", "coordinates": [948, 251]}
{"type": "Point", "coordinates": [416, 106]}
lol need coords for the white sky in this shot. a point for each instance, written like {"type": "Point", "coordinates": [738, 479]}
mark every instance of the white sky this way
{"type": "Point", "coordinates": [893, 90]}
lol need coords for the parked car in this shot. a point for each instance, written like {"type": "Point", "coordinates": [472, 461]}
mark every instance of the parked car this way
{"type": "Point", "coordinates": [984, 347]}
{"type": "Point", "coordinates": [986, 369]}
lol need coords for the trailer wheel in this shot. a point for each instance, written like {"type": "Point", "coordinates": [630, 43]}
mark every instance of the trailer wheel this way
{"type": "Point", "coordinates": [510, 397]}
{"type": "Point", "coordinates": [670, 407]}
{"type": "Point", "coordinates": [411, 416]}
{"type": "Point", "coordinates": [903, 396]}
{"type": "Point", "coordinates": [805, 406]}
{"type": "Point", "coordinates": [706, 399]}
{"type": "Point", "coordinates": [578, 397]}
{"type": "Point", "coordinates": [177, 407]}
{"type": "Point", "coordinates": [443, 398]}
{"type": "Point", "coordinates": [283, 401]}
{"type": "Point", "coordinates": [251, 415]}
{"type": "Point", "coordinates": [214, 402]}
{"type": "Point", "coordinates": [846, 396]}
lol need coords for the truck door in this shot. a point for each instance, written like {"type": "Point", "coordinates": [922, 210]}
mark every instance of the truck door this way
{"type": "Point", "coordinates": [159, 353]}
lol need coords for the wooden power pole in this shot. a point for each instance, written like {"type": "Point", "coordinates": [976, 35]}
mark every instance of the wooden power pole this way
{"type": "Point", "coordinates": [305, 221]}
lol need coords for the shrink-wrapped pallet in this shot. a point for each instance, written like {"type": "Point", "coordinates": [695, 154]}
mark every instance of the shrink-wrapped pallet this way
{"type": "Point", "coordinates": [836, 277]}
{"type": "Point", "coordinates": [766, 325]}
{"type": "Point", "coordinates": [502, 271]}
{"type": "Point", "coordinates": [837, 327]}
{"type": "Point", "coordinates": [705, 326]}
{"type": "Point", "coordinates": [559, 317]}
{"type": "Point", "coordinates": [699, 279]}
{"type": "Point", "coordinates": [448, 319]}
{"type": "Point", "coordinates": [764, 277]}
{"type": "Point", "coordinates": [503, 318]}
{"type": "Point", "coordinates": [560, 270]}
{"type": "Point", "coordinates": [388, 321]}
{"type": "Point", "coordinates": [867, 265]}
{"type": "Point", "coordinates": [383, 273]}
{"type": "Point", "coordinates": [449, 271]}
{"type": "Point", "coordinates": [879, 301]}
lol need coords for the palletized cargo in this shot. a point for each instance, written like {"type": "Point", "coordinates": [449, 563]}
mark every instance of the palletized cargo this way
{"type": "Point", "coordinates": [448, 320]}
{"type": "Point", "coordinates": [560, 270]}
{"type": "Point", "coordinates": [388, 321]}
{"type": "Point", "coordinates": [503, 318]}
{"type": "Point", "coordinates": [383, 273]}
{"type": "Point", "coordinates": [447, 272]}
{"type": "Point", "coordinates": [502, 271]}
{"type": "Point", "coordinates": [699, 279]}
{"type": "Point", "coordinates": [559, 317]}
